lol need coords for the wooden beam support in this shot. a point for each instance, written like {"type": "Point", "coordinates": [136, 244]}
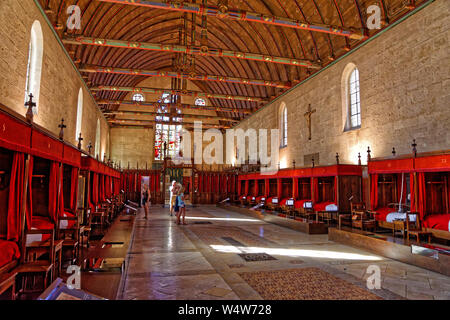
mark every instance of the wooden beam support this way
{"type": "Point", "coordinates": [192, 50]}
{"type": "Point", "coordinates": [140, 123]}
{"type": "Point", "coordinates": [181, 106]}
{"type": "Point", "coordinates": [188, 93]}
{"type": "Point", "coordinates": [223, 12]}
{"type": "Point", "coordinates": [184, 116]}
{"type": "Point", "coordinates": [185, 76]}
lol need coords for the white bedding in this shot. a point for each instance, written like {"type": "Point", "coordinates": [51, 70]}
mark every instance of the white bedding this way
{"type": "Point", "coordinates": [399, 216]}
{"type": "Point", "coordinates": [331, 207]}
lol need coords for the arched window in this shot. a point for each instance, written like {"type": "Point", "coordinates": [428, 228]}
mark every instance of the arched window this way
{"type": "Point", "coordinates": [79, 114]}
{"type": "Point", "coordinates": [355, 102]}
{"type": "Point", "coordinates": [283, 126]}
{"type": "Point", "coordinates": [200, 102]}
{"type": "Point", "coordinates": [168, 130]}
{"type": "Point", "coordinates": [97, 140]}
{"type": "Point", "coordinates": [351, 101]}
{"type": "Point", "coordinates": [138, 97]}
{"type": "Point", "coordinates": [34, 66]}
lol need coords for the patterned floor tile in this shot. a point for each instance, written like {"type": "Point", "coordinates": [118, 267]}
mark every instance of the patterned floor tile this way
{"type": "Point", "coordinates": [304, 284]}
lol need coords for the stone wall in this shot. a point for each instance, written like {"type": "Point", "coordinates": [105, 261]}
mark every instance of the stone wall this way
{"type": "Point", "coordinates": [60, 82]}
{"type": "Point", "coordinates": [405, 87]}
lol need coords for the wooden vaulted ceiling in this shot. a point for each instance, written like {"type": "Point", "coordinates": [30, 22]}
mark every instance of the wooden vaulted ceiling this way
{"type": "Point", "coordinates": [131, 22]}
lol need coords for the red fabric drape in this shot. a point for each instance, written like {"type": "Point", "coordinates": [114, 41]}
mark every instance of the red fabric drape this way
{"type": "Point", "coordinates": [95, 189]}
{"type": "Point", "coordinates": [335, 190]}
{"type": "Point", "coordinates": [421, 206]}
{"type": "Point", "coordinates": [29, 208]}
{"type": "Point", "coordinates": [374, 191]}
{"type": "Point", "coordinates": [315, 186]}
{"type": "Point", "coordinates": [157, 184]}
{"type": "Point", "coordinates": [102, 188]}
{"type": "Point", "coordinates": [53, 207]}
{"type": "Point", "coordinates": [61, 210]}
{"type": "Point", "coordinates": [74, 189]}
{"type": "Point", "coordinates": [401, 198]}
{"type": "Point", "coordinates": [448, 189]}
{"type": "Point", "coordinates": [411, 192]}
{"type": "Point", "coordinates": [14, 222]}
{"type": "Point", "coordinates": [108, 187]}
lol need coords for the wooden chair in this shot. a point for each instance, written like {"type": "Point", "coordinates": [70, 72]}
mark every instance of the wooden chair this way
{"type": "Point", "coordinates": [70, 236]}
{"type": "Point", "coordinates": [31, 266]}
{"type": "Point", "coordinates": [361, 218]}
{"type": "Point", "coordinates": [99, 219]}
{"type": "Point", "coordinates": [415, 227]}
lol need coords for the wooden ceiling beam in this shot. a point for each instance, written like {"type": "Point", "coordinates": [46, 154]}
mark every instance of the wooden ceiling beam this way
{"type": "Point", "coordinates": [148, 123]}
{"type": "Point", "coordinates": [223, 12]}
{"type": "Point", "coordinates": [181, 106]}
{"type": "Point", "coordinates": [183, 115]}
{"type": "Point", "coordinates": [184, 76]}
{"type": "Point", "coordinates": [188, 93]}
{"type": "Point", "coordinates": [191, 50]}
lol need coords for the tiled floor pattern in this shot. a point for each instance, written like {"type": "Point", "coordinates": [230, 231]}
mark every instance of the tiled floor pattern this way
{"type": "Point", "coordinates": [304, 284]}
{"type": "Point", "coordinates": [202, 261]}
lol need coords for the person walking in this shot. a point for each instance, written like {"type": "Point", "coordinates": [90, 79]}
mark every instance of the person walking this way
{"type": "Point", "coordinates": [181, 207]}
{"type": "Point", "coordinates": [173, 197]}
{"type": "Point", "coordinates": [146, 200]}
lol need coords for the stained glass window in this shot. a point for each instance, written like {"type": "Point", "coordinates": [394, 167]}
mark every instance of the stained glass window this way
{"type": "Point", "coordinates": [138, 97]}
{"type": "Point", "coordinates": [200, 102]}
{"type": "Point", "coordinates": [168, 128]}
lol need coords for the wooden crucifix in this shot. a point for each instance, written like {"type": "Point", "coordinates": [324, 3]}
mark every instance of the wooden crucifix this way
{"type": "Point", "coordinates": [30, 104]}
{"type": "Point", "coordinates": [79, 141]}
{"type": "Point", "coordinates": [61, 132]}
{"type": "Point", "coordinates": [308, 115]}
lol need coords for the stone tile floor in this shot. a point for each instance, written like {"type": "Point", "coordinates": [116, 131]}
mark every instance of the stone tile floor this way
{"type": "Point", "coordinates": [202, 261]}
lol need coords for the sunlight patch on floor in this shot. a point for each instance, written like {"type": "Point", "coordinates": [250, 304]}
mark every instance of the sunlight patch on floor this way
{"type": "Point", "coordinates": [296, 252]}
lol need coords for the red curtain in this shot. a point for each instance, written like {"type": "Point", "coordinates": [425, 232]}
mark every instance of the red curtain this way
{"type": "Point", "coordinates": [29, 208]}
{"type": "Point", "coordinates": [448, 189]}
{"type": "Point", "coordinates": [374, 191]}
{"type": "Point", "coordinates": [74, 189]}
{"type": "Point", "coordinates": [411, 192]}
{"type": "Point", "coordinates": [421, 205]}
{"type": "Point", "coordinates": [102, 188]}
{"type": "Point", "coordinates": [53, 186]}
{"type": "Point", "coordinates": [95, 188]}
{"type": "Point", "coordinates": [139, 183]}
{"type": "Point", "coordinates": [335, 190]}
{"type": "Point", "coordinates": [315, 191]}
{"type": "Point", "coordinates": [399, 188]}
{"type": "Point", "coordinates": [108, 186]}
{"type": "Point", "coordinates": [14, 222]}
{"type": "Point", "coordinates": [61, 196]}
